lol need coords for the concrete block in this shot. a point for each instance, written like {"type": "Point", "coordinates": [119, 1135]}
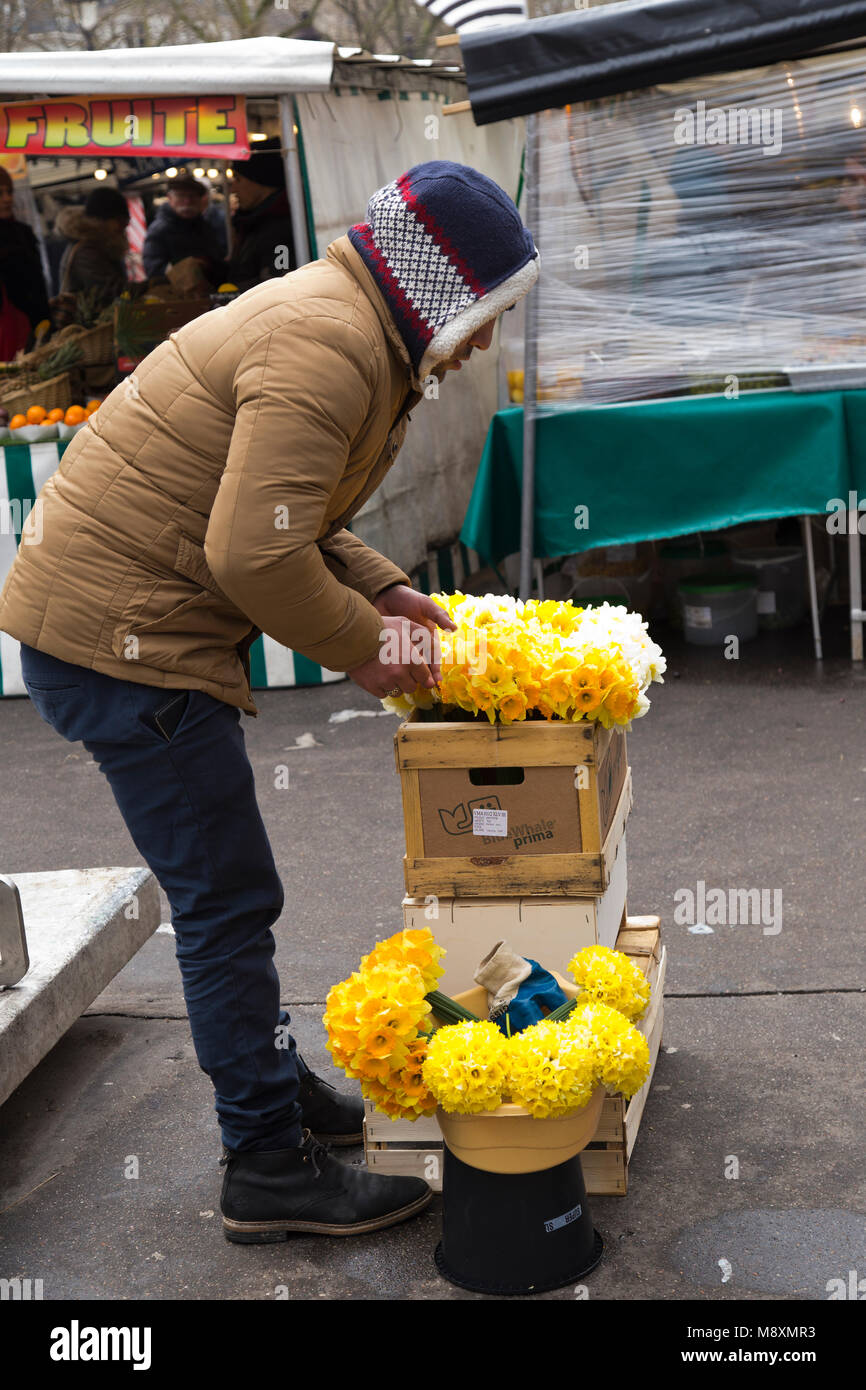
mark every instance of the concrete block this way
{"type": "Point", "coordinates": [82, 927]}
{"type": "Point", "coordinates": [14, 960]}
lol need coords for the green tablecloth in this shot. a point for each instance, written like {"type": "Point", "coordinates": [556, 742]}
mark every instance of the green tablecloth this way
{"type": "Point", "coordinates": [666, 468]}
{"type": "Point", "coordinates": [24, 468]}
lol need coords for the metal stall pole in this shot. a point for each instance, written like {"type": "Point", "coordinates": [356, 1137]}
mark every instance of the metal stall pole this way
{"type": "Point", "coordinates": [806, 524]}
{"type": "Point", "coordinates": [530, 375]}
{"type": "Point", "coordinates": [855, 585]}
{"type": "Point", "coordinates": [294, 182]}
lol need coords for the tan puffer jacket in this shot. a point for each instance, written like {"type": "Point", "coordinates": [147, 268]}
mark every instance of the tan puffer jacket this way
{"type": "Point", "coordinates": [207, 498]}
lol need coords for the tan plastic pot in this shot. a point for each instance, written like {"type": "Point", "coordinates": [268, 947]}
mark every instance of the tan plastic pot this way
{"type": "Point", "coordinates": [509, 1139]}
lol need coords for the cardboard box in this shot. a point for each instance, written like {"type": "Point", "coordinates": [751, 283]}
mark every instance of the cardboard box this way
{"type": "Point", "coordinates": [537, 807]}
{"type": "Point", "coordinates": [547, 929]}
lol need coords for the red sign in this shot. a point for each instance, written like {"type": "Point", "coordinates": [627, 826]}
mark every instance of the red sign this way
{"type": "Point", "coordinates": [213, 127]}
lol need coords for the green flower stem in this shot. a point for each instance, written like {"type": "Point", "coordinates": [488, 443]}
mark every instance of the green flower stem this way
{"type": "Point", "coordinates": [557, 1015]}
{"type": "Point", "coordinates": [448, 1009]}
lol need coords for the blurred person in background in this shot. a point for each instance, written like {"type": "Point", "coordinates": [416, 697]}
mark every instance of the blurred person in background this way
{"type": "Point", "coordinates": [95, 258]}
{"type": "Point", "coordinates": [183, 228]}
{"type": "Point", "coordinates": [23, 296]}
{"type": "Point", "coordinates": [263, 245]}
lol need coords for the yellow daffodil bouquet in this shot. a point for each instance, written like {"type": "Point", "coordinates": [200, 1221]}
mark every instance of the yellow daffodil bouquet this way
{"type": "Point", "coordinates": [511, 660]}
{"type": "Point", "coordinates": [412, 1048]}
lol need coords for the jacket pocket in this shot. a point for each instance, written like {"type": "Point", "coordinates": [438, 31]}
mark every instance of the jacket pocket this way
{"type": "Point", "coordinates": [190, 560]}
{"type": "Point", "coordinates": [185, 629]}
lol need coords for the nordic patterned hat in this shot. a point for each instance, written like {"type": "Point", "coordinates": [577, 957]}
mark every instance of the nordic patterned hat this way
{"type": "Point", "coordinates": [449, 252]}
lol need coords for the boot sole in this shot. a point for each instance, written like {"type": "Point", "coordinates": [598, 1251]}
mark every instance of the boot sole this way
{"type": "Point", "coordinates": [265, 1232]}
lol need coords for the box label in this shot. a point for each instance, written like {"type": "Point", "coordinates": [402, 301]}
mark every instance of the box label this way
{"type": "Point", "coordinates": [696, 615]}
{"type": "Point", "coordinates": [766, 601]}
{"type": "Point", "coordinates": [489, 822]}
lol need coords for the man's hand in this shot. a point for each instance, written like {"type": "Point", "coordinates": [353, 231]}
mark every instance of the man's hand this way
{"type": "Point", "coordinates": [402, 602]}
{"type": "Point", "coordinates": [409, 623]}
{"type": "Point", "coordinates": [399, 666]}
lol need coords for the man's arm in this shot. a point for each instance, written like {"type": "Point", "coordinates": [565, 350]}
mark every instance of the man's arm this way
{"type": "Point", "coordinates": [303, 393]}
{"type": "Point", "coordinates": [359, 566]}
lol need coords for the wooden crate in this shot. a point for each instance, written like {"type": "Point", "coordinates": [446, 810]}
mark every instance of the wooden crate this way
{"type": "Point", "coordinates": [544, 928]}
{"type": "Point", "coordinates": [401, 1146]}
{"type": "Point", "coordinates": [558, 795]}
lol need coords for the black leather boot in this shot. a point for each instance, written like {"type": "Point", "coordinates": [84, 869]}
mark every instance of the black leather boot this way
{"type": "Point", "coordinates": [268, 1195]}
{"type": "Point", "coordinates": [330, 1117]}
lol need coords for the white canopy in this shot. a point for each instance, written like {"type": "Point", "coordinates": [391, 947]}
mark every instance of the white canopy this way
{"type": "Point", "coordinates": [249, 67]}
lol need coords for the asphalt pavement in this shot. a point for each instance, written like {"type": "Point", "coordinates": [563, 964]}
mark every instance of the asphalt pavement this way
{"type": "Point", "coordinates": [747, 1180]}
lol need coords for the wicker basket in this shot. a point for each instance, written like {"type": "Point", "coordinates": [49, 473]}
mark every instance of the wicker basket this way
{"type": "Point", "coordinates": [97, 344]}
{"type": "Point", "coordinates": [56, 391]}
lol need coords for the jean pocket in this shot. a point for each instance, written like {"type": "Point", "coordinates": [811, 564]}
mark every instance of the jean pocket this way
{"type": "Point", "coordinates": [60, 706]}
{"type": "Point", "coordinates": [159, 712]}
{"type": "Point", "coordinates": [168, 716]}
{"type": "Point", "coordinates": [44, 689]}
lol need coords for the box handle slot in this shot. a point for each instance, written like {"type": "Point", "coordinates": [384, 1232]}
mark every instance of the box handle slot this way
{"type": "Point", "coordinates": [496, 776]}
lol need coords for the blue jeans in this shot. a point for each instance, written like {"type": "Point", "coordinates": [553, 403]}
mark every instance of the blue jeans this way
{"type": "Point", "coordinates": [178, 768]}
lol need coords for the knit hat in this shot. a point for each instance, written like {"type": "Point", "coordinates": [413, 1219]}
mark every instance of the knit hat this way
{"type": "Point", "coordinates": [265, 165]}
{"type": "Point", "coordinates": [449, 252]}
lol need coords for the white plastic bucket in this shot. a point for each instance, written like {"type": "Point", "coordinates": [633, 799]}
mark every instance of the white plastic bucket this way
{"type": "Point", "coordinates": [780, 575]}
{"type": "Point", "coordinates": [684, 557]}
{"type": "Point", "coordinates": [716, 607]}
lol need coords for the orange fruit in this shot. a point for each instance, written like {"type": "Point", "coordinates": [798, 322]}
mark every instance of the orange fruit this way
{"type": "Point", "coordinates": [17, 421]}
{"type": "Point", "coordinates": [91, 410]}
{"type": "Point", "coordinates": [91, 405]}
{"type": "Point", "coordinates": [55, 414]}
{"type": "Point", "coordinates": [75, 415]}
{"type": "Point", "coordinates": [36, 414]}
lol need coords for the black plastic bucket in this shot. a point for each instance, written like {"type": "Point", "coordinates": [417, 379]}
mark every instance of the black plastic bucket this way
{"type": "Point", "coordinates": [515, 1233]}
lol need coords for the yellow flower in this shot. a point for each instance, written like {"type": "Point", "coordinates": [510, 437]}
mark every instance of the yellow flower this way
{"type": "Point", "coordinates": [509, 660]}
{"type": "Point", "coordinates": [551, 1071]}
{"type": "Point", "coordinates": [513, 707]}
{"type": "Point", "coordinates": [464, 1068]}
{"type": "Point", "coordinates": [609, 977]}
{"type": "Point", "coordinates": [374, 1021]}
{"type": "Point", "coordinates": [621, 1052]}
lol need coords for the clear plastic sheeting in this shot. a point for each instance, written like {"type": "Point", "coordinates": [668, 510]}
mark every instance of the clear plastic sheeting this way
{"type": "Point", "coordinates": [707, 236]}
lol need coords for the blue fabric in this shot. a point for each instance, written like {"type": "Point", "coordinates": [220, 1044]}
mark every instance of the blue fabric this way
{"type": "Point", "coordinates": [188, 800]}
{"type": "Point", "coordinates": [537, 996]}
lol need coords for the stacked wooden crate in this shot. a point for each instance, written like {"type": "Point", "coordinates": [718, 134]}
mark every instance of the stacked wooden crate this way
{"type": "Point", "coordinates": [517, 833]}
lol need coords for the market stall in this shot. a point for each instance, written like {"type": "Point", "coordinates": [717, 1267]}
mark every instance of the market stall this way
{"type": "Point", "coordinates": [699, 206]}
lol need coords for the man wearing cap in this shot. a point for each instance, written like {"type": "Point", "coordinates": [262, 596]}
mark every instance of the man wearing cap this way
{"type": "Point", "coordinates": [263, 245]}
{"type": "Point", "coordinates": [182, 228]}
{"type": "Point", "coordinates": [208, 502]}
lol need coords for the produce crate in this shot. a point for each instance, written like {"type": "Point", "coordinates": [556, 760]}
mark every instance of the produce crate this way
{"type": "Point", "coordinates": [546, 929]}
{"type": "Point", "coordinates": [140, 327]}
{"type": "Point", "coordinates": [401, 1146]}
{"type": "Point", "coordinates": [490, 810]}
{"type": "Point", "coordinates": [51, 394]}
